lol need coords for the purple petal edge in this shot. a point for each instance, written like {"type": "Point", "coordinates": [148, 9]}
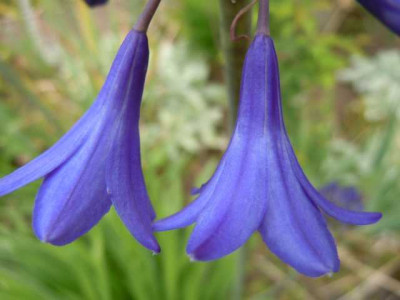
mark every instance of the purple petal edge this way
{"type": "Point", "coordinates": [125, 180]}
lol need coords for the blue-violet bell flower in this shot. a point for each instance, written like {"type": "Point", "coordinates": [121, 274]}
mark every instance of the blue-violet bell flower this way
{"type": "Point", "coordinates": [97, 162]}
{"type": "Point", "coordinates": [387, 11]}
{"type": "Point", "coordinates": [95, 2]}
{"type": "Point", "coordinates": [259, 185]}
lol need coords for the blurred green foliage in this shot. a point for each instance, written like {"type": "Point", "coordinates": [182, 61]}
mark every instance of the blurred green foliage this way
{"type": "Point", "coordinates": [53, 64]}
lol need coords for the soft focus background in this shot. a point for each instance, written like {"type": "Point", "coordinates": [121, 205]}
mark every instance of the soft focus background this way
{"type": "Point", "coordinates": [340, 73]}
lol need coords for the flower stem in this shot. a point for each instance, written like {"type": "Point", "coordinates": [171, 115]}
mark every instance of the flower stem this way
{"type": "Point", "coordinates": [263, 18]}
{"type": "Point", "coordinates": [147, 15]}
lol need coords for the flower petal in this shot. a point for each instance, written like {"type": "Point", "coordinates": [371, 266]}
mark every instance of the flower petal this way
{"type": "Point", "coordinates": [198, 190]}
{"type": "Point", "coordinates": [296, 232]}
{"type": "Point", "coordinates": [387, 11]}
{"type": "Point", "coordinates": [341, 214]}
{"type": "Point", "coordinates": [73, 197]}
{"type": "Point", "coordinates": [51, 158]}
{"type": "Point", "coordinates": [73, 139]}
{"type": "Point", "coordinates": [191, 212]}
{"type": "Point", "coordinates": [125, 180]}
{"type": "Point", "coordinates": [293, 227]}
{"type": "Point", "coordinates": [238, 207]}
{"type": "Point", "coordinates": [236, 211]}
{"type": "Point", "coordinates": [333, 210]}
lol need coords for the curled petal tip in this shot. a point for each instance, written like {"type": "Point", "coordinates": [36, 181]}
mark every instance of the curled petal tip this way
{"type": "Point", "coordinates": [342, 203]}
{"type": "Point", "coordinates": [198, 190]}
{"type": "Point", "coordinates": [374, 217]}
{"type": "Point", "coordinates": [330, 208]}
{"type": "Point", "coordinates": [326, 269]}
{"type": "Point", "coordinates": [198, 258]}
{"type": "Point", "coordinates": [181, 219]}
{"type": "Point", "coordinates": [192, 258]}
{"type": "Point", "coordinates": [328, 272]}
{"type": "Point", "coordinates": [195, 191]}
{"type": "Point", "coordinates": [151, 244]}
{"type": "Point", "coordinates": [157, 248]}
{"type": "Point", "coordinates": [50, 238]}
{"type": "Point", "coordinates": [54, 242]}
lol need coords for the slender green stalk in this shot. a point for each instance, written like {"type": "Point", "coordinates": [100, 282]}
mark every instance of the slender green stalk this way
{"type": "Point", "coordinates": [147, 15]}
{"type": "Point", "coordinates": [263, 17]}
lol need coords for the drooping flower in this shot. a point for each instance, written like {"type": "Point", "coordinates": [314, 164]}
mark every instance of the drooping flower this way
{"type": "Point", "coordinates": [344, 196]}
{"type": "Point", "coordinates": [259, 185]}
{"type": "Point", "coordinates": [95, 2]}
{"type": "Point", "coordinates": [97, 163]}
{"type": "Point", "coordinates": [387, 11]}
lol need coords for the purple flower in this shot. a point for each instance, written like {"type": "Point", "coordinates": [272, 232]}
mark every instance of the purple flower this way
{"type": "Point", "coordinates": [387, 11]}
{"type": "Point", "coordinates": [97, 163]}
{"type": "Point", "coordinates": [344, 196]}
{"type": "Point", "coordinates": [95, 2]}
{"type": "Point", "coordinates": [259, 185]}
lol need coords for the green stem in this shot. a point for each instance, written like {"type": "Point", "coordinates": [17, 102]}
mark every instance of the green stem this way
{"type": "Point", "coordinates": [234, 52]}
{"type": "Point", "coordinates": [147, 15]}
{"type": "Point", "coordinates": [263, 17]}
